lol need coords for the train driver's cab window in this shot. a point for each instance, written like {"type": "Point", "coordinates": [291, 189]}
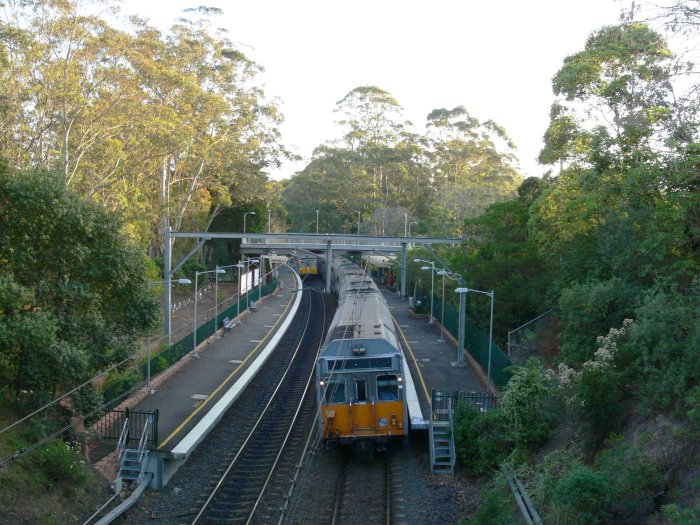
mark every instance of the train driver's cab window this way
{"type": "Point", "coordinates": [360, 390]}
{"type": "Point", "coordinates": [387, 388]}
{"type": "Point", "coordinates": [335, 390]}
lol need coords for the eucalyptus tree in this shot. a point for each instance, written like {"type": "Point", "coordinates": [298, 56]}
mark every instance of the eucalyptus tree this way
{"type": "Point", "coordinates": [161, 127]}
{"type": "Point", "coordinates": [621, 217]}
{"type": "Point", "coordinates": [473, 165]}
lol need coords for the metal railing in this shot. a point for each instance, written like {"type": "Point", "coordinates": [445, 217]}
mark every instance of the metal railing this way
{"type": "Point", "coordinates": [112, 426]}
{"type": "Point", "coordinates": [444, 402]}
{"type": "Point", "coordinates": [123, 440]}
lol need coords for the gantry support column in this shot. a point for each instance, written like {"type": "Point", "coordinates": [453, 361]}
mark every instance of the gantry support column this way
{"type": "Point", "coordinates": [167, 254]}
{"type": "Point", "coordinates": [403, 269]}
{"type": "Point", "coordinates": [329, 258]}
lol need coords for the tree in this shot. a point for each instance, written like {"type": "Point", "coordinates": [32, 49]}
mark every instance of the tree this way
{"type": "Point", "coordinates": [473, 166]}
{"type": "Point", "coordinates": [73, 293]}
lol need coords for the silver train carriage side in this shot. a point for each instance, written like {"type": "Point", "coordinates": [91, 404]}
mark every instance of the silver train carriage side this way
{"type": "Point", "coordinates": [359, 371]}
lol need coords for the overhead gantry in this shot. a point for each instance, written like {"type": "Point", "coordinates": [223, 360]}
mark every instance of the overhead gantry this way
{"type": "Point", "coordinates": [288, 244]}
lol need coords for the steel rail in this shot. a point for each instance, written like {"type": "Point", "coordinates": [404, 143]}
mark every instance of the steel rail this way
{"type": "Point", "coordinates": [309, 382]}
{"type": "Point", "coordinates": [248, 439]}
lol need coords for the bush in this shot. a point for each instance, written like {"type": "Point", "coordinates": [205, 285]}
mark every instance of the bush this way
{"type": "Point", "coordinates": [62, 462]}
{"type": "Point", "coordinates": [584, 496]}
{"type": "Point", "coordinates": [496, 507]}
{"type": "Point", "coordinates": [636, 479]}
{"type": "Point", "coordinates": [481, 440]}
{"type": "Point", "coordinates": [529, 404]}
{"type": "Point", "coordinates": [555, 466]}
{"type": "Point", "coordinates": [588, 310]}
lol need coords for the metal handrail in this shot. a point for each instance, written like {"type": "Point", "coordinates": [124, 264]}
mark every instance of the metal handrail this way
{"type": "Point", "coordinates": [121, 444]}
{"type": "Point", "coordinates": [144, 438]}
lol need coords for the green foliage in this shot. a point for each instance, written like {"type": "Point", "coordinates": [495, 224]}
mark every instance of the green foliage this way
{"type": "Point", "coordinates": [600, 411]}
{"type": "Point", "coordinates": [497, 506]}
{"type": "Point", "coordinates": [87, 401]}
{"type": "Point", "coordinates": [693, 407]}
{"type": "Point", "coordinates": [118, 383]}
{"type": "Point", "coordinates": [635, 479]}
{"type": "Point", "coordinates": [548, 473]}
{"type": "Point", "coordinates": [501, 257]}
{"type": "Point", "coordinates": [677, 515]}
{"type": "Point", "coordinates": [481, 439]}
{"type": "Point", "coordinates": [583, 496]}
{"type": "Point", "coordinates": [588, 310]}
{"type": "Point", "coordinates": [63, 321]}
{"type": "Point", "coordinates": [62, 463]}
{"type": "Point", "coordinates": [663, 344]}
{"type": "Point", "coordinates": [528, 405]}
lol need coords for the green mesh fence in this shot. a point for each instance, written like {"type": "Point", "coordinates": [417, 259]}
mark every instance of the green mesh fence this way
{"type": "Point", "coordinates": [160, 360]}
{"type": "Point", "coordinates": [475, 341]}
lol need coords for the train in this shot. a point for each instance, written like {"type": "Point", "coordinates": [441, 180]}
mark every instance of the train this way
{"type": "Point", "coordinates": [360, 366]}
{"type": "Point", "coordinates": [306, 265]}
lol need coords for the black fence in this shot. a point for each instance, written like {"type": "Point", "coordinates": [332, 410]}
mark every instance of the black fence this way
{"type": "Point", "coordinates": [445, 401]}
{"type": "Point", "coordinates": [111, 425]}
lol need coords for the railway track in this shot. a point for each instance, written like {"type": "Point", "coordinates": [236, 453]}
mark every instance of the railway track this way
{"type": "Point", "coordinates": [367, 492]}
{"type": "Point", "coordinates": [249, 483]}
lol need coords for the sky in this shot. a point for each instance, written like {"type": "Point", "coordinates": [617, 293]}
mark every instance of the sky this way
{"type": "Point", "coordinates": [495, 58]}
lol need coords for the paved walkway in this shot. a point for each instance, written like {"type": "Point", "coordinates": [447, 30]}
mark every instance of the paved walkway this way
{"type": "Point", "coordinates": [185, 394]}
{"type": "Point", "coordinates": [431, 361]}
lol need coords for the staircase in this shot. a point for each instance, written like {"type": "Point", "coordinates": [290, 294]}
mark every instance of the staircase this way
{"type": "Point", "coordinates": [132, 461]}
{"type": "Point", "coordinates": [442, 442]}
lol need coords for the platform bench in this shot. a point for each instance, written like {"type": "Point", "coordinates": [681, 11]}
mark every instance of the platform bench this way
{"type": "Point", "coordinates": [227, 324]}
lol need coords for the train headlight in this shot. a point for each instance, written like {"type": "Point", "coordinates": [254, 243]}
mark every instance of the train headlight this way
{"type": "Point", "coordinates": [400, 379]}
{"type": "Point", "coordinates": [322, 382]}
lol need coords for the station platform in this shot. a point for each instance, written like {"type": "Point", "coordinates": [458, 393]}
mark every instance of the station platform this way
{"type": "Point", "coordinates": [194, 399]}
{"type": "Point", "coordinates": [431, 362]}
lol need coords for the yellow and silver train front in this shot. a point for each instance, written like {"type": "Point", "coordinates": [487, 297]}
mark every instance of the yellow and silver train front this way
{"type": "Point", "coordinates": [361, 395]}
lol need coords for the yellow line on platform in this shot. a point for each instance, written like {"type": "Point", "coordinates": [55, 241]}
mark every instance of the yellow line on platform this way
{"type": "Point", "coordinates": [408, 347]}
{"type": "Point", "coordinates": [211, 396]}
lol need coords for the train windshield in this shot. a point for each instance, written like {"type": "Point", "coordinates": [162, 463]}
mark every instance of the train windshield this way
{"type": "Point", "coordinates": [387, 388]}
{"type": "Point", "coordinates": [335, 390]}
{"type": "Point", "coordinates": [359, 364]}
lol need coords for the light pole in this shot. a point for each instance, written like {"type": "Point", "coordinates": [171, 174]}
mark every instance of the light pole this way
{"type": "Point", "coordinates": [194, 332]}
{"type": "Point", "coordinates": [316, 222]}
{"type": "Point", "coordinates": [405, 224]}
{"type": "Point", "coordinates": [463, 293]}
{"type": "Point", "coordinates": [269, 221]}
{"type": "Point", "coordinates": [216, 293]}
{"type": "Point", "coordinates": [432, 284]}
{"type": "Point", "coordinates": [247, 271]}
{"type": "Point", "coordinates": [359, 218]}
{"type": "Point", "coordinates": [148, 337]}
{"type": "Point", "coordinates": [239, 265]}
{"type": "Point", "coordinates": [442, 317]}
{"type": "Point", "coordinates": [245, 216]}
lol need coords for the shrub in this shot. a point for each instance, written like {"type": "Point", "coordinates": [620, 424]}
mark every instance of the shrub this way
{"type": "Point", "coordinates": [61, 461]}
{"type": "Point", "coordinates": [663, 345]}
{"type": "Point", "coordinates": [636, 479]}
{"type": "Point", "coordinates": [693, 407]}
{"type": "Point", "coordinates": [549, 472]}
{"type": "Point", "coordinates": [528, 404]}
{"type": "Point", "coordinates": [588, 310]}
{"type": "Point", "coordinates": [481, 440]}
{"type": "Point", "coordinates": [584, 496]}
{"type": "Point", "coordinates": [496, 507]}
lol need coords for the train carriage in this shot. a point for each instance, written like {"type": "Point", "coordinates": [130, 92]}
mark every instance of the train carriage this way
{"type": "Point", "coordinates": [360, 367]}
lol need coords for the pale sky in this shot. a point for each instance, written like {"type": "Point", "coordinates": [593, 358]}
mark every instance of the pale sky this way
{"type": "Point", "coordinates": [496, 58]}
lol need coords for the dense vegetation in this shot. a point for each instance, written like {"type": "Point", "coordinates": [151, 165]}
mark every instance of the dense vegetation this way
{"type": "Point", "coordinates": [606, 431]}
{"type": "Point", "coordinates": [108, 136]}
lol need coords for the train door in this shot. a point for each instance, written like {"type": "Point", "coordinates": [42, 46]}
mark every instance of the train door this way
{"type": "Point", "coordinates": [362, 411]}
